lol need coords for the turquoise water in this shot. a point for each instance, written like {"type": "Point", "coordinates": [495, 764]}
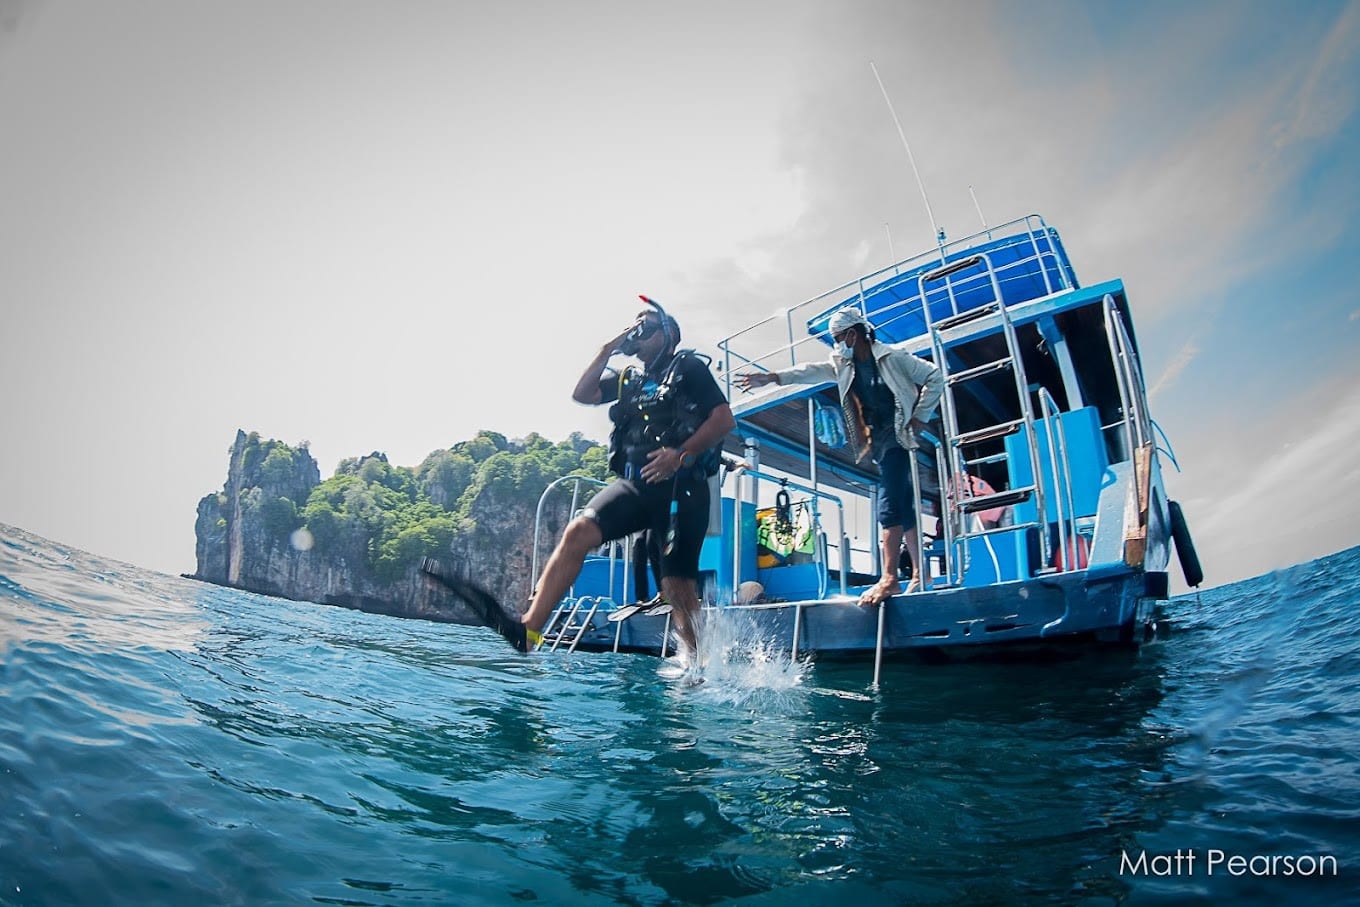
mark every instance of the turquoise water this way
{"type": "Point", "coordinates": [166, 742]}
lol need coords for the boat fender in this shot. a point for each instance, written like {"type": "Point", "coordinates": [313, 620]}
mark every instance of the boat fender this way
{"type": "Point", "coordinates": [1078, 554]}
{"type": "Point", "coordinates": [1185, 546]}
{"type": "Point", "coordinates": [749, 592]}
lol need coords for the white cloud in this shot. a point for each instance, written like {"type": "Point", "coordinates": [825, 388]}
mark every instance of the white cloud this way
{"type": "Point", "coordinates": [1326, 96]}
{"type": "Point", "coordinates": [1168, 377]}
{"type": "Point", "coordinates": [1289, 488]}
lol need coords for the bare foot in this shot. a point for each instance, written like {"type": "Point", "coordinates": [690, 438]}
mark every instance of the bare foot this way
{"type": "Point", "coordinates": [881, 591]}
{"type": "Point", "coordinates": [914, 585]}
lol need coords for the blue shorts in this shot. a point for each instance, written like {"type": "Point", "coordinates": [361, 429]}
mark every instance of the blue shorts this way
{"type": "Point", "coordinates": [895, 504]}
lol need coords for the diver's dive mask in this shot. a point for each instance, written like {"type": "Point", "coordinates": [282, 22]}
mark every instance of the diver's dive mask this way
{"type": "Point", "coordinates": [641, 331]}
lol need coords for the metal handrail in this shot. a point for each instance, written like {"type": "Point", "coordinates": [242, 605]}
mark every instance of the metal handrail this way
{"type": "Point", "coordinates": [1027, 411]}
{"type": "Point", "coordinates": [1128, 379]}
{"type": "Point", "coordinates": [575, 495]}
{"type": "Point", "coordinates": [1062, 485]}
{"type": "Point", "coordinates": [538, 513]}
{"type": "Point", "coordinates": [920, 566]}
{"type": "Point", "coordinates": [1034, 241]}
{"type": "Point", "coordinates": [757, 362]}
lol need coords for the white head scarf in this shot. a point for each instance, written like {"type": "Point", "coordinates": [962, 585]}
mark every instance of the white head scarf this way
{"type": "Point", "coordinates": [847, 317]}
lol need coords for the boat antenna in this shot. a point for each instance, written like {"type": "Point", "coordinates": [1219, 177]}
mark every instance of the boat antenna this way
{"type": "Point", "coordinates": [939, 234]}
{"type": "Point", "coordinates": [891, 254]}
{"type": "Point", "coordinates": [979, 209]}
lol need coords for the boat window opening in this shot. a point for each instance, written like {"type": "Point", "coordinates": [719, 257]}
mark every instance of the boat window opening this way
{"type": "Point", "coordinates": [1085, 330]}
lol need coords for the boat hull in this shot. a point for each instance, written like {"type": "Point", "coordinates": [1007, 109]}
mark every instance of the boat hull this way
{"type": "Point", "coordinates": [1046, 611]}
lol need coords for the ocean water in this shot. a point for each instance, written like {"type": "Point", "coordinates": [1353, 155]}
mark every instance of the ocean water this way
{"type": "Point", "coordinates": [167, 742]}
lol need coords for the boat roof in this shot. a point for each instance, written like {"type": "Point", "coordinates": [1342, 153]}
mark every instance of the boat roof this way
{"type": "Point", "coordinates": [1022, 263]}
{"type": "Point", "coordinates": [1015, 262]}
{"type": "Point", "coordinates": [1019, 261]}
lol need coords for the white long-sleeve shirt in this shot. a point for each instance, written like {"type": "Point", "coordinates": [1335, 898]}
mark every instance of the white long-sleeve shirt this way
{"type": "Point", "coordinates": [916, 384]}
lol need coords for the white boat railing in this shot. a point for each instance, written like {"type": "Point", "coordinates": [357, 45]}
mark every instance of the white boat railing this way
{"type": "Point", "coordinates": [1129, 379]}
{"type": "Point", "coordinates": [782, 339]}
{"type": "Point", "coordinates": [1056, 435]}
{"type": "Point", "coordinates": [575, 508]}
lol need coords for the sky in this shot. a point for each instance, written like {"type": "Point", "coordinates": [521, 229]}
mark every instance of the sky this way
{"type": "Point", "coordinates": [386, 225]}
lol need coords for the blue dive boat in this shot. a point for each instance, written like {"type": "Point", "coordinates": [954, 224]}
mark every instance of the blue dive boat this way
{"type": "Point", "coordinates": [1042, 479]}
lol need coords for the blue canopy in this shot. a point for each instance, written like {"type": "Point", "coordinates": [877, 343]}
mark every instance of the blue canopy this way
{"type": "Point", "coordinates": [1027, 265]}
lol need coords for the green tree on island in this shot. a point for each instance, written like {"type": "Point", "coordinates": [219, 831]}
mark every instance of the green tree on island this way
{"type": "Point", "coordinates": [391, 516]}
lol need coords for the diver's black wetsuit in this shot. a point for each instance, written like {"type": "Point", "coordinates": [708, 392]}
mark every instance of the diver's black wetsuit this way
{"type": "Point", "coordinates": [661, 407]}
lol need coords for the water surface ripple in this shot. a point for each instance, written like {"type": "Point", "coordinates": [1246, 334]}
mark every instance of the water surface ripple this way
{"type": "Point", "coordinates": [163, 741]}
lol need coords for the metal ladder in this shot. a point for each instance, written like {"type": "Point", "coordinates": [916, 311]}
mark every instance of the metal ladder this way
{"type": "Point", "coordinates": [960, 448]}
{"type": "Point", "coordinates": [573, 625]}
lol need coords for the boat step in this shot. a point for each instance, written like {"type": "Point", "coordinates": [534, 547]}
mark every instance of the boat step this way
{"type": "Point", "coordinates": [996, 499]}
{"type": "Point", "coordinates": [978, 371]}
{"type": "Point", "coordinates": [984, 461]}
{"type": "Point", "coordinates": [987, 434]}
{"type": "Point", "coordinates": [951, 267]}
{"type": "Point", "coordinates": [954, 321]}
{"type": "Point", "coordinates": [570, 630]}
{"type": "Point", "coordinates": [995, 530]}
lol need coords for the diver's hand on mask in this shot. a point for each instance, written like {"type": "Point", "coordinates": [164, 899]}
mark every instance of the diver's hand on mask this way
{"type": "Point", "coordinates": [622, 343]}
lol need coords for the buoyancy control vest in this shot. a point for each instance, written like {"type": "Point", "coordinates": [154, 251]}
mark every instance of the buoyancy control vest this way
{"type": "Point", "coordinates": [655, 412]}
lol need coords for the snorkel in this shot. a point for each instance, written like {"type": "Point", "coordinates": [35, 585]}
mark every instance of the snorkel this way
{"type": "Point", "coordinates": [664, 317]}
{"type": "Point", "coordinates": [640, 331]}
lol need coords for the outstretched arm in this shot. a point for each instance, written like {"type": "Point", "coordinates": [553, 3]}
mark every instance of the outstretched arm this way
{"type": "Point", "coordinates": [807, 373]}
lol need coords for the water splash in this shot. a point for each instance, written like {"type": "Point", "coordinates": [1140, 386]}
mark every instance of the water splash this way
{"type": "Point", "coordinates": [739, 666]}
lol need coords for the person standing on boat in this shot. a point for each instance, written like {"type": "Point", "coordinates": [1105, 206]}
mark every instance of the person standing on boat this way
{"type": "Point", "coordinates": [669, 421]}
{"type": "Point", "coordinates": [887, 395]}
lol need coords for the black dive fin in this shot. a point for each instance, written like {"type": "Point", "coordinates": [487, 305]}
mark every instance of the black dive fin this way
{"type": "Point", "coordinates": [625, 612]}
{"type": "Point", "coordinates": [482, 603]}
{"type": "Point", "coordinates": [657, 607]}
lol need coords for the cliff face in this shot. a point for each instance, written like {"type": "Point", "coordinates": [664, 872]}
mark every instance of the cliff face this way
{"type": "Point", "coordinates": [255, 533]}
{"type": "Point", "coordinates": [243, 531]}
{"type": "Point", "coordinates": [496, 544]}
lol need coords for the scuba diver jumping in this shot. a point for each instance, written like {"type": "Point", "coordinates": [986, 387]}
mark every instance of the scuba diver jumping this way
{"type": "Point", "coordinates": [669, 420]}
